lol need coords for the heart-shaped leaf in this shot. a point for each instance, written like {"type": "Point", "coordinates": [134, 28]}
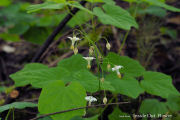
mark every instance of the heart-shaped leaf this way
{"type": "Point", "coordinates": [115, 15]}
{"type": "Point", "coordinates": [57, 97]}
{"type": "Point", "coordinates": [158, 84]}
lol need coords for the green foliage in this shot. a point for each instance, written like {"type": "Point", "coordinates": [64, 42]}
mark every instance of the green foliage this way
{"type": "Point", "coordinates": [94, 1]}
{"type": "Point", "coordinates": [126, 86]}
{"type": "Point", "coordinates": [45, 118]}
{"type": "Point", "coordinates": [10, 37]}
{"type": "Point", "coordinates": [90, 118]}
{"type": "Point", "coordinates": [17, 105]}
{"type": "Point", "coordinates": [118, 114]}
{"type": "Point", "coordinates": [58, 97]}
{"type": "Point", "coordinates": [5, 2]}
{"type": "Point", "coordinates": [111, 2]}
{"type": "Point", "coordinates": [170, 32]}
{"type": "Point", "coordinates": [68, 70]}
{"type": "Point", "coordinates": [65, 86]}
{"type": "Point", "coordinates": [158, 84]}
{"type": "Point", "coordinates": [116, 16]}
{"type": "Point", "coordinates": [46, 5]}
{"type": "Point", "coordinates": [40, 33]}
{"type": "Point", "coordinates": [80, 18]}
{"type": "Point", "coordinates": [162, 4]}
{"type": "Point", "coordinates": [153, 10]}
{"type": "Point", "coordinates": [154, 107]}
{"type": "Point", "coordinates": [173, 102]}
{"type": "Point", "coordinates": [2, 89]}
{"type": "Point", "coordinates": [130, 67]}
{"type": "Point", "coordinates": [159, 3]}
{"type": "Point", "coordinates": [12, 17]}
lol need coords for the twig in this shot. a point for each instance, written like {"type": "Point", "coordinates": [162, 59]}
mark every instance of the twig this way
{"type": "Point", "coordinates": [55, 32]}
{"type": "Point", "coordinates": [100, 105]}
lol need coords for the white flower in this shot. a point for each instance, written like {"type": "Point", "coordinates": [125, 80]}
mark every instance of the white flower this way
{"type": "Point", "coordinates": [90, 99]}
{"type": "Point", "coordinates": [89, 59]}
{"type": "Point", "coordinates": [73, 40]}
{"type": "Point", "coordinates": [116, 68]}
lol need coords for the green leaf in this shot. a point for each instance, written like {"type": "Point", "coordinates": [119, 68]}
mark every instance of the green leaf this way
{"type": "Point", "coordinates": [68, 70]}
{"type": "Point", "coordinates": [46, 118]}
{"type": "Point", "coordinates": [14, 15]}
{"type": "Point", "coordinates": [90, 118]}
{"type": "Point", "coordinates": [173, 102]}
{"type": "Point", "coordinates": [111, 2]}
{"type": "Point", "coordinates": [17, 105]}
{"type": "Point", "coordinates": [154, 10]}
{"type": "Point", "coordinates": [158, 84]}
{"type": "Point", "coordinates": [57, 97]}
{"type": "Point", "coordinates": [37, 74]}
{"type": "Point", "coordinates": [163, 5]}
{"type": "Point", "coordinates": [117, 114]}
{"type": "Point", "coordinates": [127, 85]}
{"type": "Point", "coordinates": [94, 1]}
{"type": "Point", "coordinates": [77, 5]}
{"type": "Point", "coordinates": [115, 15]}
{"type": "Point", "coordinates": [57, 1]}
{"type": "Point", "coordinates": [79, 18]}
{"type": "Point", "coordinates": [77, 69]}
{"type": "Point", "coordinates": [40, 33]}
{"type": "Point", "coordinates": [19, 29]}
{"type": "Point", "coordinates": [47, 21]}
{"type": "Point", "coordinates": [170, 32]}
{"type": "Point", "coordinates": [10, 37]}
{"type": "Point", "coordinates": [5, 3]}
{"type": "Point", "coordinates": [45, 5]}
{"type": "Point", "coordinates": [2, 89]}
{"type": "Point", "coordinates": [130, 67]}
{"type": "Point", "coordinates": [153, 106]}
{"type": "Point", "coordinates": [74, 63]}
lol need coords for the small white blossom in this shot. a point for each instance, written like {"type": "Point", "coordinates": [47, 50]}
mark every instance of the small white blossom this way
{"type": "Point", "coordinates": [89, 59]}
{"type": "Point", "coordinates": [90, 99]}
{"type": "Point", "coordinates": [73, 40]}
{"type": "Point", "coordinates": [116, 68]}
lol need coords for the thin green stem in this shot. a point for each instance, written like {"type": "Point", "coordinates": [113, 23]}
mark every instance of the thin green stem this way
{"type": "Point", "coordinates": [124, 41]}
{"type": "Point", "coordinates": [127, 33]}
{"type": "Point", "coordinates": [8, 114]}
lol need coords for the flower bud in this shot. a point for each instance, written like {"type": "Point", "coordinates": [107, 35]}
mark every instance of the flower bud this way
{"type": "Point", "coordinates": [102, 79]}
{"type": "Point", "coordinates": [119, 75]}
{"type": "Point", "coordinates": [108, 46]}
{"type": "Point", "coordinates": [108, 67]}
{"type": "Point", "coordinates": [91, 50]}
{"type": "Point", "coordinates": [72, 47]}
{"type": "Point", "coordinates": [75, 51]}
{"type": "Point", "coordinates": [104, 100]}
